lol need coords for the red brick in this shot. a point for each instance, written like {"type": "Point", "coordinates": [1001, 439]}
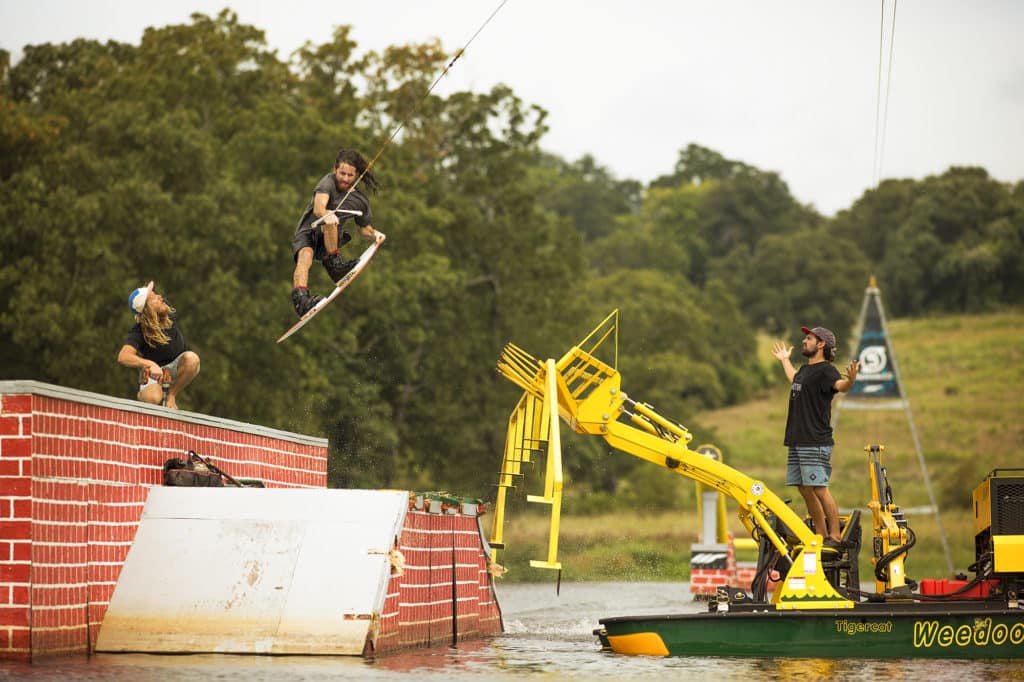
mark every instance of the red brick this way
{"type": "Point", "coordinates": [11, 486]}
{"type": "Point", "coordinates": [10, 426]}
{"type": "Point", "coordinates": [19, 595]}
{"type": "Point", "coordinates": [15, 573]}
{"type": "Point", "coordinates": [22, 509]}
{"type": "Point", "coordinates": [20, 639]}
{"type": "Point", "coordinates": [15, 530]}
{"type": "Point", "coordinates": [22, 551]}
{"type": "Point", "coordinates": [58, 575]}
{"type": "Point", "coordinates": [14, 615]}
{"type": "Point", "coordinates": [68, 532]}
{"type": "Point", "coordinates": [59, 597]}
{"type": "Point", "coordinates": [15, 447]}
{"type": "Point", "coordinates": [72, 615]}
{"type": "Point", "coordinates": [15, 404]}
{"type": "Point", "coordinates": [101, 593]}
{"type": "Point", "coordinates": [60, 554]}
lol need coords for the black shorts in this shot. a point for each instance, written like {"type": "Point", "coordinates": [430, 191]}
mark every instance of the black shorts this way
{"type": "Point", "coordinates": [313, 237]}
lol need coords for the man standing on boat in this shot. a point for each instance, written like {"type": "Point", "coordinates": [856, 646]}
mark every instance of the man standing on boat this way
{"type": "Point", "coordinates": [334, 198]}
{"type": "Point", "coordinates": [808, 424]}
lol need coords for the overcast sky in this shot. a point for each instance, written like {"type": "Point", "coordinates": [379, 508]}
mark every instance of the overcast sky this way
{"type": "Point", "coordinates": [785, 86]}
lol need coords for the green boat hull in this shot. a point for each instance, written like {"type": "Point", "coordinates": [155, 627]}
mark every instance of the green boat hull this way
{"type": "Point", "coordinates": [946, 630]}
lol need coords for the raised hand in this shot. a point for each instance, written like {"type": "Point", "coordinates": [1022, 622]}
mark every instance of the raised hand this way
{"type": "Point", "coordinates": [781, 351]}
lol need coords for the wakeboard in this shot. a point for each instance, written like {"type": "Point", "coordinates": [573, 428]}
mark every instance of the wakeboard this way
{"type": "Point", "coordinates": [360, 265]}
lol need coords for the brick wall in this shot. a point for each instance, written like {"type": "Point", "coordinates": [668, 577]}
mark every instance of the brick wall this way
{"type": "Point", "coordinates": [75, 469]}
{"type": "Point", "coordinates": [705, 580]}
{"type": "Point", "coordinates": [420, 604]}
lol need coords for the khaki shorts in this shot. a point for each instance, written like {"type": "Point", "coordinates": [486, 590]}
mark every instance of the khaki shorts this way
{"type": "Point", "coordinates": [146, 379]}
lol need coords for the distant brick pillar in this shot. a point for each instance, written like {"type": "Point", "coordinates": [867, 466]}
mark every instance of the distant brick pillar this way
{"type": "Point", "coordinates": [75, 470]}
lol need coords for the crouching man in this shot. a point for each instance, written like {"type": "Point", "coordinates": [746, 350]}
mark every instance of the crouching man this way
{"type": "Point", "coordinates": [156, 345]}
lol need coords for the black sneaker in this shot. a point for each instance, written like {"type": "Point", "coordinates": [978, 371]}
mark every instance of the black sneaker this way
{"type": "Point", "coordinates": [303, 300]}
{"type": "Point", "coordinates": [830, 545]}
{"type": "Point", "coordinates": [337, 268]}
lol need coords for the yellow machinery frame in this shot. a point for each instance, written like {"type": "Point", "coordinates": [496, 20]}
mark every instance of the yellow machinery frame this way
{"type": "Point", "coordinates": [585, 393]}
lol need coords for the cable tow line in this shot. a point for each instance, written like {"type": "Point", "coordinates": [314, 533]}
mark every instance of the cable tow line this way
{"type": "Point", "coordinates": [880, 108]}
{"type": "Point", "coordinates": [412, 112]}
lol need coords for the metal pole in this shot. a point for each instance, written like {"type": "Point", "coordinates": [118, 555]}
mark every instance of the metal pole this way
{"type": "Point", "coordinates": [928, 485]}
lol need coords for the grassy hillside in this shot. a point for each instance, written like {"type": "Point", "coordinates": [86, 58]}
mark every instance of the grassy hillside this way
{"type": "Point", "coordinates": [963, 376]}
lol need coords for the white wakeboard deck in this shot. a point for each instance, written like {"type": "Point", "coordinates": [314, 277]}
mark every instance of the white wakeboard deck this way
{"type": "Point", "coordinates": [364, 258]}
{"type": "Point", "coordinates": [256, 571]}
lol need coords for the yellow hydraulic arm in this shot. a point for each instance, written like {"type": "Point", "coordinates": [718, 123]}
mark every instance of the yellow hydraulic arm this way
{"type": "Point", "coordinates": [585, 392]}
{"type": "Point", "coordinates": [893, 535]}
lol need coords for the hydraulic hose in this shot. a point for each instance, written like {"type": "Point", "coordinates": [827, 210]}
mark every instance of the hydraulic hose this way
{"type": "Point", "coordinates": [882, 567]}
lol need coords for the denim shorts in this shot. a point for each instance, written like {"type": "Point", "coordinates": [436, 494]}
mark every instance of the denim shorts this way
{"type": "Point", "coordinates": [809, 465]}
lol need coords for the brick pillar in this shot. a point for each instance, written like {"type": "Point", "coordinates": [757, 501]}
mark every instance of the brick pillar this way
{"type": "Point", "coordinates": [15, 525]}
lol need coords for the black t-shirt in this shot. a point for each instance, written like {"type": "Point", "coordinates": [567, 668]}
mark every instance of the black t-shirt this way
{"type": "Point", "coordinates": [161, 355]}
{"type": "Point", "coordinates": [810, 405]}
{"type": "Point", "coordinates": [356, 201]}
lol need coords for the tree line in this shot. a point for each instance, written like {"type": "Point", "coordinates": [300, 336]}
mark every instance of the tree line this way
{"type": "Point", "coordinates": [188, 159]}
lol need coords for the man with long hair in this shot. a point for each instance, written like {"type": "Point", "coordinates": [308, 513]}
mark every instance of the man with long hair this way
{"type": "Point", "coordinates": [155, 345]}
{"type": "Point", "coordinates": [809, 425]}
{"type": "Point", "coordinates": [335, 194]}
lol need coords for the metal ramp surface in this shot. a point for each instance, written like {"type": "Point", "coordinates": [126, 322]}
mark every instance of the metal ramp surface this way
{"type": "Point", "coordinates": [267, 571]}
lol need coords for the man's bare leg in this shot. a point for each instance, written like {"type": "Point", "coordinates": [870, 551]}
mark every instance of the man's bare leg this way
{"type": "Point", "coordinates": [151, 394]}
{"type": "Point", "coordinates": [188, 368]}
{"type": "Point", "coordinates": [330, 237]}
{"type": "Point", "coordinates": [814, 509]}
{"type": "Point", "coordinates": [830, 509]}
{"type": "Point", "coordinates": [302, 264]}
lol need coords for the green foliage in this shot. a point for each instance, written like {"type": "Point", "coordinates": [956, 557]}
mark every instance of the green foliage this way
{"type": "Point", "coordinates": [650, 490]}
{"type": "Point", "coordinates": [949, 243]}
{"type": "Point", "coordinates": [188, 159]}
{"type": "Point", "coordinates": [697, 165]}
{"type": "Point", "coordinates": [586, 193]}
{"type": "Point", "coordinates": [805, 278]}
{"type": "Point", "coordinates": [649, 546]}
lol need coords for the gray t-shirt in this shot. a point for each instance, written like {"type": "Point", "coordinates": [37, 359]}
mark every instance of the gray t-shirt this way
{"type": "Point", "coordinates": [356, 201]}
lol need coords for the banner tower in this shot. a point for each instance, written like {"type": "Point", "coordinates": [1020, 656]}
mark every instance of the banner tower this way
{"type": "Point", "coordinates": [880, 387]}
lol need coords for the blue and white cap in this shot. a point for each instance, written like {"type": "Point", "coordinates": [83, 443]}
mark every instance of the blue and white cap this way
{"type": "Point", "coordinates": [137, 299]}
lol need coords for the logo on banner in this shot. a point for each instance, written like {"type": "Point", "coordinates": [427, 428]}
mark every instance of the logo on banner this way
{"type": "Point", "coordinates": [874, 360]}
{"type": "Point", "coordinates": [874, 376]}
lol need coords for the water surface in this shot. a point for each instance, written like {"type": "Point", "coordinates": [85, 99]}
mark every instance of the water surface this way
{"type": "Point", "coordinates": [547, 636]}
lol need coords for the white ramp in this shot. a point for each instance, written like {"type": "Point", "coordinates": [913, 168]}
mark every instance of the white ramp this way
{"type": "Point", "coordinates": [255, 570]}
